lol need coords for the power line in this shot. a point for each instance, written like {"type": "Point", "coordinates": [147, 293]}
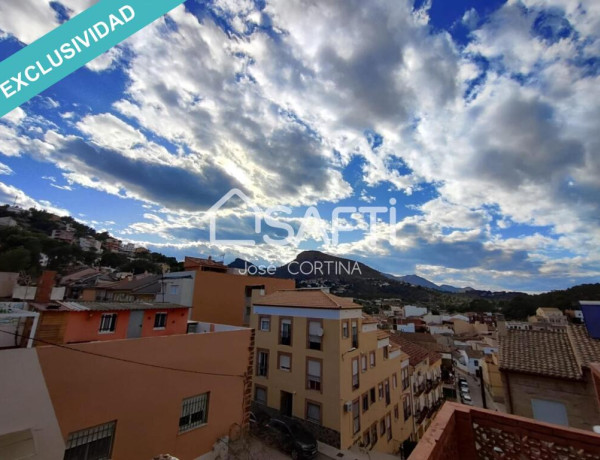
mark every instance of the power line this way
{"type": "Point", "coordinates": [124, 360]}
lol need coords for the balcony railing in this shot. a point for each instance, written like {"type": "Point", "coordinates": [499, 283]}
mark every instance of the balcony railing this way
{"type": "Point", "coordinates": [418, 389]}
{"type": "Point", "coordinates": [462, 432]}
{"type": "Point", "coordinates": [428, 386]}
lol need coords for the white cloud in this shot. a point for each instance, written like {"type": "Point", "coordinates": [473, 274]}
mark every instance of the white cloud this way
{"type": "Point", "coordinates": [10, 194]}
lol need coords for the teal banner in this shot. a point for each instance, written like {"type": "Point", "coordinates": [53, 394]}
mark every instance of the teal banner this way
{"type": "Point", "coordinates": [57, 54]}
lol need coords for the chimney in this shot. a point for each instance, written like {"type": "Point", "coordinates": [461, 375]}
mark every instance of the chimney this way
{"type": "Point", "coordinates": [44, 287]}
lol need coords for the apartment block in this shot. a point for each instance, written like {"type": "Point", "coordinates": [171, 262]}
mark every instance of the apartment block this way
{"type": "Point", "coordinates": [224, 296]}
{"type": "Point", "coordinates": [319, 360]}
{"type": "Point", "coordinates": [426, 393]}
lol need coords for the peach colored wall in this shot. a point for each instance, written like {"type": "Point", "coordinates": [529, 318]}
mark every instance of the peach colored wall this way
{"type": "Point", "coordinates": [176, 322]}
{"type": "Point", "coordinates": [145, 401]}
{"type": "Point", "coordinates": [83, 326]}
{"type": "Point", "coordinates": [221, 297]}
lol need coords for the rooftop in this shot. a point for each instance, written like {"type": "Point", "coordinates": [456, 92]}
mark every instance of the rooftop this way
{"type": "Point", "coordinates": [307, 298]}
{"type": "Point", "coordinates": [416, 353]}
{"type": "Point", "coordinates": [103, 306]}
{"type": "Point", "coordinates": [462, 432]}
{"type": "Point", "coordinates": [560, 354]}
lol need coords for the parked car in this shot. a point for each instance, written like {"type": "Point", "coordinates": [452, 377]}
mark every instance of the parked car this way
{"type": "Point", "coordinates": [258, 421]}
{"type": "Point", "coordinates": [292, 438]}
{"type": "Point", "coordinates": [466, 398]}
{"type": "Point", "coordinates": [462, 380]}
{"type": "Point", "coordinates": [464, 390]}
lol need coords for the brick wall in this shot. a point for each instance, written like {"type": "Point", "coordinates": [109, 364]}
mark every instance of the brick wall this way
{"type": "Point", "coordinates": [578, 396]}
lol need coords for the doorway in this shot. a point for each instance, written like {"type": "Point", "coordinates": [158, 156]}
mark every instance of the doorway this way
{"type": "Point", "coordinates": [287, 401]}
{"type": "Point", "coordinates": [134, 328]}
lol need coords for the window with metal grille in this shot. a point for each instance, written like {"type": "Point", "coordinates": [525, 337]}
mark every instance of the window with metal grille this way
{"type": "Point", "coordinates": [160, 320]}
{"type": "Point", "coordinates": [194, 412]}
{"type": "Point", "coordinates": [262, 365]}
{"type": "Point", "coordinates": [285, 332]}
{"type": "Point", "coordinates": [108, 322]}
{"type": "Point", "coordinates": [354, 327]}
{"type": "Point", "coordinates": [93, 443]}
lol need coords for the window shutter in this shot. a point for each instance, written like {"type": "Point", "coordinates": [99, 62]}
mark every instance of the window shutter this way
{"type": "Point", "coordinates": [314, 368]}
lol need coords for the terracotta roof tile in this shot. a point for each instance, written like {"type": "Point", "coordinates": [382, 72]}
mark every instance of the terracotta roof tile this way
{"type": "Point", "coordinates": [306, 298]}
{"type": "Point", "coordinates": [416, 353]}
{"type": "Point", "coordinates": [539, 352]}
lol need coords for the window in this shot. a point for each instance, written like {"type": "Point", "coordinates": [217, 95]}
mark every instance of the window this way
{"type": "Point", "coordinates": [285, 362]}
{"type": "Point", "coordinates": [382, 427]}
{"type": "Point", "coordinates": [260, 395]}
{"type": "Point", "coordinates": [549, 411]}
{"type": "Point", "coordinates": [374, 433]}
{"type": "Point", "coordinates": [285, 331]}
{"type": "Point", "coordinates": [313, 412]}
{"type": "Point", "coordinates": [396, 412]}
{"type": "Point", "coordinates": [385, 353]}
{"type": "Point", "coordinates": [405, 378]}
{"type": "Point", "coordinates": [108, 322]}
{"type": "Point", "coordinates": [372, 391]}
{"type": "Point", "coordinates": [313, 374]}
{"type": "Point", "coordinates": [315, 334]}
{"type": "Point", "coordinates": [386, 386]}
{"type": "Point", "coordinates": [363, 363]}
{"type": "Point", "coordinates": [160, 320]}
{"type": "Point", "coordinates": [372, 358]}
{"type": "Point", "coordinates": [355, 417]}
{"type": "Point", "coordinates": [264, 323]}
{"type": "Point", "coordinates": [365, 402]}
{"type": "Point", "coordinates": [194, 412]}
{"type": "Point", "coordinates": [380, 390]}
{"type": "Point", "coordinates": [262, 363]}
{"type": "Point", "coordinates": [388, 426]}
{"type": "Point", "coordinates": [354, 333]}
{"type": "Point", "coordinates": [355, 382]}
{"type": "Point", "coordinates": [367, 438]}
{"type": "Point", "coordinates": [345, 329]}
{"type": "Point", "coordinates": [92, 443]}
{"type": "Point", "coordinates": [475, 363]}
{"type": "Point", "coordinates": [174, 289]}
{"type": "Point", "coordinates": [394, 380]}
{"type": "Point", "coordinates": [407, 411]}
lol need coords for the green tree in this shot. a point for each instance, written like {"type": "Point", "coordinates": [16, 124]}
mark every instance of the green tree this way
{"type": "Point", "coordinates": [15, 260]}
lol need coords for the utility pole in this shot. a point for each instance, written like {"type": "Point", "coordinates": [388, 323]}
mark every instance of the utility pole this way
{"type": "Point", "coordinates": [481, 384]}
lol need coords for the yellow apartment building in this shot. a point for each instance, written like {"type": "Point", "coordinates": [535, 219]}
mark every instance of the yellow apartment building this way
{"type": "Point", "coordinates": [319, 360]}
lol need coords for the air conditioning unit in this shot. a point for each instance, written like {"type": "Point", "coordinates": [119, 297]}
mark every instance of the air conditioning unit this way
{"type": "Point", "coordinates": [348, 406]}
{"type": "Point", "coordinates": [320, 332]}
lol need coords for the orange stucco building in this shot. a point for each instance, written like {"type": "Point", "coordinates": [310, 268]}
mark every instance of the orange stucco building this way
{"type": "Point", "coordinates": [225, 297]}
{"type": "Point", "coordinates": [71, 322]}
{"type": "Point", "coordinates": [192, 394]}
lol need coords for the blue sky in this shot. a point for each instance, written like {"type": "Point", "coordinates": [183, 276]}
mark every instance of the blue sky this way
{"type": "Point", "coordinates": [479, 118]}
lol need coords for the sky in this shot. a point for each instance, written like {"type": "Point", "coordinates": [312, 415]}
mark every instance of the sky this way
{"type": "Point", "coordinates": [480, 119]}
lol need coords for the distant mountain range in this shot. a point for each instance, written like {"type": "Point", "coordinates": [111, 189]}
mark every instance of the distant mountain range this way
{"type": "Point", "coordinates": [417, 280]}
{"type": "Point", "coordinates": [339, 269]}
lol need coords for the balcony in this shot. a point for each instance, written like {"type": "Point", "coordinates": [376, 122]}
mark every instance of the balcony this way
{"type": "Point", "coordinates": [428, 386]}
{"type": "Point", "coordinates": [418, 389]}
{"type": "Point", "coordinates": [420, 415]}
{"type": "Point", "coordinates": [462, 432]}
